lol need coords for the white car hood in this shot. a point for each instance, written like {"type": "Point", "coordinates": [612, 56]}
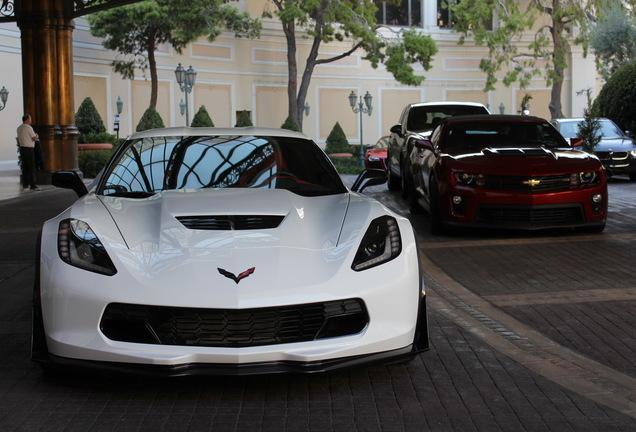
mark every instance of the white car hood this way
{"type": "Point", "coordinates": [315, 242]}
{"type": "Point", "coordinates": [310, 223]}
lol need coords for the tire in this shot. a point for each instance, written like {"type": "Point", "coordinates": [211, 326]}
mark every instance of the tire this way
{"type": "Point", "coordinates": [39, 349]}
{"type": "Point", "coordinates": [632, 177]}
{"type": "Point", "coordinates": [392, 181]}
{"type": "Point", "coordinates": [437, 226]}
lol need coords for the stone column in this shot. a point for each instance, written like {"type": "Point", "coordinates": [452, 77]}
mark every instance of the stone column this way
{"type": "Point", "coordinates": [47, 71]}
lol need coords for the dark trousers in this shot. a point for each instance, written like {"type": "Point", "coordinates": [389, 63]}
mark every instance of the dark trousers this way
{"type": "Point", "coordinates": [27, 156]}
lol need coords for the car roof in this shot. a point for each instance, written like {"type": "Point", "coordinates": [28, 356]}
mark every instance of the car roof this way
{"type": "Point", "coordinates": [492, 118]}
{"type": "Point", "coordinates": [446, 103]}
{"type": "Point", "coordinates": [202, 131]}
{"type": "Point", "coordinates": [577, 119]}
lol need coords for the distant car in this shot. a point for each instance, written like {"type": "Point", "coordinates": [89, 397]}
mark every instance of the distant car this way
{"type": "Point", "coordinates": [416, 122]}
{"type": "Point", "coordinates": [616, 150]}
{"type": "Point", "coordinates": [375, 157]}
{"type": "Point", "coordinates": [225, 251]}
{"type": "Point", "coordinates": [512, 172]}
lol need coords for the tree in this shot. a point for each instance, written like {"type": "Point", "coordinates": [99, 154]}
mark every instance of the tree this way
{"type": "Point", "coordinates": [552, 22]}
{"type": "Point", "coordinates": [244, 120]}
{"type": "Point", "coordinates": [616, 99]}
{"type": "Point", "coordinates": [324, 21]}
{"type": "Point", "coordinates": [613, 40]}
{"type": "Point", "coordinates": [337, 141]}
{"type": "Point", "coordinates": [150, 120]}
{"type": "Point", "coordinates": [135, 31]}
{"type": "Point", "coordinates": [589, 128]}
{"type": "Point", "coordinates": [290, 124]}
{"type": "Point", "coordinates": [87, 119]}
{"type": "Point", "coordinates": [202, 119]}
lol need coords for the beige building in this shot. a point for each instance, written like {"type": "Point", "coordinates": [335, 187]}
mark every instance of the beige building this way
{"type": "Point", "coordinates": [240, 74]}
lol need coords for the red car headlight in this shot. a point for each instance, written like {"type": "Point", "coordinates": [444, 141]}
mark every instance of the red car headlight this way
{"type": "Point", "coordinates": [470, 179]}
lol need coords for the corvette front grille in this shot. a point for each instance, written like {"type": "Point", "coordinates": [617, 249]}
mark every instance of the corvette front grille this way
{"type": "Point", "coordinates": [231, 222]}
{"type": "Point", "coordinates": [233, 327]}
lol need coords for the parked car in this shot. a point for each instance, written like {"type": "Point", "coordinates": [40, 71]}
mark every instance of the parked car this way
{"type": "Point", "coordinates": [375, 157]}
{"type": "Point", "coordinates": [616, 150]}
{"type": "Point", "coordinates": [512, 172]}
{"type": "Point", "coordinates": [416, 122]}
{"type": "Point", "coordinates": [225, 251]}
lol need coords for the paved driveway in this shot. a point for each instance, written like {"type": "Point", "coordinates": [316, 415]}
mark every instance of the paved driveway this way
{"type": "Point", "coordinates": [529, 331]}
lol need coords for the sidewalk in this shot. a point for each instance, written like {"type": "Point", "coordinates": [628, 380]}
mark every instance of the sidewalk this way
{"type": "Point", "coordinates": [10, 186]}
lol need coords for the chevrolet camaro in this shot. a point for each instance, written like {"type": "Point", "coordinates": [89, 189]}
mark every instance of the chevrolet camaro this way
{"type": "Point", "coordinates": [514, 172]}
{"type": "Point", "coordinates": [225, 251]}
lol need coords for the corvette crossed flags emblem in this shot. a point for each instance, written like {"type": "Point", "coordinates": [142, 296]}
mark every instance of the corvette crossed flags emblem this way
{"type": "Point", "coordinates": [238, 278]}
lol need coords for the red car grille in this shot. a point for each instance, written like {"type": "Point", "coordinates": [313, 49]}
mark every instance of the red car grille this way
{"type": "Point", "coordinates": [530, 216]}
{"type": "Point", "coordinates": [529, 184]}
{"type": "Point", "coordinates": [233, 327]}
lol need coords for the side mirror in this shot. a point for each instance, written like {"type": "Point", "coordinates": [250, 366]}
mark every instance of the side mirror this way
{"type": "Point", "coordinates": [396, 129]}
{"type": "Point", "coordinates": [69, 180]}
{"type": "Point", "coordinates": [369, 177]}
{"type": "Point", "coordinates": [423, 144]}
{"type": "Point", "coordinates": [576, 142]}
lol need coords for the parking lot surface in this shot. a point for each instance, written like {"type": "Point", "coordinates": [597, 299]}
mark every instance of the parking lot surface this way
{"type": "Point", "coordinates": [529, 331]}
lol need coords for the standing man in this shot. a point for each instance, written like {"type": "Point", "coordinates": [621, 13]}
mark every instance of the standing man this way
{"type": "Point", "coordinates": [26, 140]}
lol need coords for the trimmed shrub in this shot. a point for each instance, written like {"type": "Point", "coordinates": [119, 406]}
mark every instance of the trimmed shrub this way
{"type": "Point", "coordinates": [92, 162]}
{"type": "Point", "coordinates": [202, 119]}
{"type": "Point", "coordinates": [150, 120]}
{"type": "Point", "coordinates": [616, 99]}
{"type": "Point", "coordinates": [95, 137]}
{"type": "Point", "coordinates": [290, 124]}
{"type": "Point", "coordinates": [87, 119]}
{"type": "Point", "coordinates": [244, 120]}
{"type": "Point", "coordinates": [337, 141]}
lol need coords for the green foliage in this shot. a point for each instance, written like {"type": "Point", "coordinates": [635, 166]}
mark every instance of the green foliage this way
{"type": "Point", "coordinates": [135, 31]}
{"type": "Point", "coordinates": [324, 22]}
{"type": "Point", "coordinates": [244, 120]}
{"type": "Point", "coordinates": [337, 141]}
{"type": "Point", "coordinates": [87, 119]}
{"type": "Point", "coordinates": [616, 99]}
{"type": "Point", "coordinates": [347, 165]}
{"type": "Point", "coordinates": [589, 129]}
{"type": "Point", "coordinates": [202, 119]}
{"type": "Point", "coordinates": [150, 120]}
{"type": "Point", "coordinates": [613, 40]}
{"type": "Point", "coordinates": [91, 162]}
{"type": "Point", "coordinates": [546, 54]}
{"type": "Point", "coordinates": [290, 124]}
{"type": "Point", "coordinates": [98, 137]}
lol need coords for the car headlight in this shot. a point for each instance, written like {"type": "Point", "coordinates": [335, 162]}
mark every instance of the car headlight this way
{"type": "Point", "coordinates": [381, 243]}
{"type": "Point", "coordinates": [584, 178]}
{"type": "Point", "coordinates": [633, 153]}
{"type": "Point", "coordinates": [470, 179]}
{"type": "Point", "coordinates": [78, 246]}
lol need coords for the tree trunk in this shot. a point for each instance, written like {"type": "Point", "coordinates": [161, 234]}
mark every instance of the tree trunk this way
{"type": "Point", "coordinates": [559, 61]}
{"type": "Point", "coordinates": [289, 29]}
{"type": "Point", "coordinates": [152, 65]}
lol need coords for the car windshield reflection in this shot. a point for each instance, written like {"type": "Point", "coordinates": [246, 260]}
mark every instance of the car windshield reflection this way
{"type": "Point", "coordinates": [470, 137]}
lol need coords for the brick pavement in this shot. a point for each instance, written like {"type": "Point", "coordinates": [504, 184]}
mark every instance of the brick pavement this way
{"type": "Point", "coordinates": [473, 378]}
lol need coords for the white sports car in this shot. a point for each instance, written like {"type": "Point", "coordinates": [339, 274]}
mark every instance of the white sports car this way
{"type": "Point", "coordinates": [225, 251]}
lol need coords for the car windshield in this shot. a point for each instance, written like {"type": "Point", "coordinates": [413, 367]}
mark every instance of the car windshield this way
{"type": "Point", "coordinates": [150, 165]}
{"type": "Point", "coordinates": [475, 136]}
{"type": "Point", "coordinates": [607, 129]}
{"type": "Point", "coordinates": [423, 118]}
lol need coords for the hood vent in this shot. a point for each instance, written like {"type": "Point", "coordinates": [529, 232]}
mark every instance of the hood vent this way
{"type": "Point", "coordinates": [522, 152]}
{"type": "Point", "coordinates": [230, 222]}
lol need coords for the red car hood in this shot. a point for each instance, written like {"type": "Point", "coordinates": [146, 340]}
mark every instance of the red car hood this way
{"type": "Point", "coordinates": [523, 161]}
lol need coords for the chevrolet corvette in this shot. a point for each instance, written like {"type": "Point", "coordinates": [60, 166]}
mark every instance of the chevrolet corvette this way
{"type": "Point", "coordinates": [225, 251]}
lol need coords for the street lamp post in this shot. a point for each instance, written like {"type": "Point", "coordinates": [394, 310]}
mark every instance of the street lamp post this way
{"type": "Point", "coordinates": [4, 95]}
{"type": "Point", "coordinates": [186, 80]}
{"type": "Point", "coordinates": [365, 108]}
{"type": "Point", "coordinates": [120, 108]}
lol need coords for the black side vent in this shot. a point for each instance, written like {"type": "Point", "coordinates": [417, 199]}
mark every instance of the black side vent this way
{"type": "Point", "coordinates": [230, 222]}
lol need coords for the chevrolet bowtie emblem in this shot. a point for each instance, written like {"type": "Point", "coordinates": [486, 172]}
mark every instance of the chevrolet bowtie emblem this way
{"type": "Point", "coordinates": [532, 182]}
{"type": "Point", "coordinates": [238, 278]}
